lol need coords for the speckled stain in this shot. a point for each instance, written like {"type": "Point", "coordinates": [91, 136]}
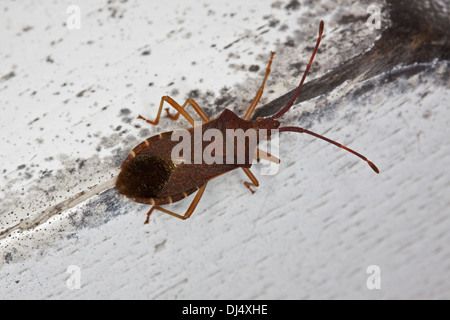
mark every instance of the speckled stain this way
{"type": "Point", "coordinates": [227, 98]}
{"type": "Point", "coordinates": [8, 76]}
{"type": "Point", "coordinates": [99, 211]}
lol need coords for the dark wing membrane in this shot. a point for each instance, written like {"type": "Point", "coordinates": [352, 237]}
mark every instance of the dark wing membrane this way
{"type": "Point", "coordinates": [144, 176]}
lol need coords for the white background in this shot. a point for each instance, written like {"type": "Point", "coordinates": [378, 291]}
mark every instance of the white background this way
{"type": "Point", "coordinates": [309, 231]}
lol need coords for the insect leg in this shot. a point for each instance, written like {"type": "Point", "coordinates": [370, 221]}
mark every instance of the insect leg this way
{"type": "Point", "coordinates": [205, 118]}
{"type": "Point", "coordinates": [175, 105]}
{"type": "Point", "coordinates": [253, 183]}
{"type": "Point", "coordinates": [194, 105]}
{"type": "Point", "coordinates": [188, 212]}
{"type": "Point", "coordinates": [255, 101]}
{"type": "Point", "coordinates": [260, 154]}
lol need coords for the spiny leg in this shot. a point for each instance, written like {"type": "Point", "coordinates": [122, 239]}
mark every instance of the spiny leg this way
{"type": "Point", "coordinates": [194, 105]}
{"type": "Point", "coordinates": [188, 212]}
{"type": "Point", "coordinates": [175, 105]}
{"type": "Point", "coordinates": [253, 183]}
{"type": "Point", "coordinates": [255, 101]}
{"type": "Point", "coordinates": [205, 118]}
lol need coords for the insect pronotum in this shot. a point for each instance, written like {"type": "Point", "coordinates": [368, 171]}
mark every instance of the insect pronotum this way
{"type": "Point", "coordinates": [149, 175]}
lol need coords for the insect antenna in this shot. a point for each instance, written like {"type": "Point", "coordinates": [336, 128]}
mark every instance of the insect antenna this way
{"type": "Point", "coordinates": [291, 102]}
{"type": "Point", "coordinates": [301, 130]}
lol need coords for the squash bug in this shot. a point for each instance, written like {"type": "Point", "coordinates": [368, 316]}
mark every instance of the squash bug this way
{"type": "Point", "coordinates": [149, 175]}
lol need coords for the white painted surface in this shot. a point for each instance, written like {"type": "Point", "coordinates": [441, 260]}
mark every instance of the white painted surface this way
{"type": "Point", "coordinates": [310, 231]}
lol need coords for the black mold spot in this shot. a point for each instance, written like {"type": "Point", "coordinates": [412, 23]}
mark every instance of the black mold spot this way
{"type": "Point", "coordinates": [283, 27]}
{"type": "Point", "coordinates": [72, 236]}
{"type": "Point", "coordinates": [33, 121]}
{"type": "Point", "coordinates": [127, 120]}
{"type": "Point", "coordinates": [81, 163]}
{"type": "Point", "coordinates": [253, 68]}
{"type": "Point", "coordinates": [289, 43]}
{"type": "Point", "coordinates": [414, 38]}
{"type": "Point", "coordinates": [273, 23]}
{"type": "Point", "coordinates": [293, 5]}
{"type": "Point", "coordinates": [144, 133]}
{"type": "Point", "coordinates": [119, 155]}
{"type": "Point", "coordinates": [297, 67]}
{"type": "Point", "coordinates": [125, 111]}
{"type": "Point", "coordinates": [145, 53]}
{"type": "Point", "coordinates": [81, 93]}
{"type": "Point", "coordinates": [27, 28]}
{"type": "Point", "coordinates": [108, 142]}
{"type": "Point", "coordinates": [348, 19]}
{"type": "Point", "coordinates": [8, 257]}
{"type": "Point", "coordinates": [193, 94]}
{"type": "Point", "coordinates": [8, 76]}
{"type": "Point", "coordinates": [225, 98]}
{"type": "Point", "coordinates": [427, 114]}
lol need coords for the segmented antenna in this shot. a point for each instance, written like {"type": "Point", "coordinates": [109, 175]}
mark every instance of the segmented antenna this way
{"type": "Point", "coordinates": [301, 130]}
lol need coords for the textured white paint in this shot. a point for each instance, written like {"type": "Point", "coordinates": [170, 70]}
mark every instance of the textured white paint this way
{"type": "Point", "coordinates": [310, 231]}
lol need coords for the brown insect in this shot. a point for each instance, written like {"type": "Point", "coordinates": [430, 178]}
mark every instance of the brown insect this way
{"type": "Point", "coordinates": [149, 175]}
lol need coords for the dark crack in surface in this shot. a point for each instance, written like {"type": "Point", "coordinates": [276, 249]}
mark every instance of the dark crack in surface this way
{"type": "Point", "coordinates": [418, 34]}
